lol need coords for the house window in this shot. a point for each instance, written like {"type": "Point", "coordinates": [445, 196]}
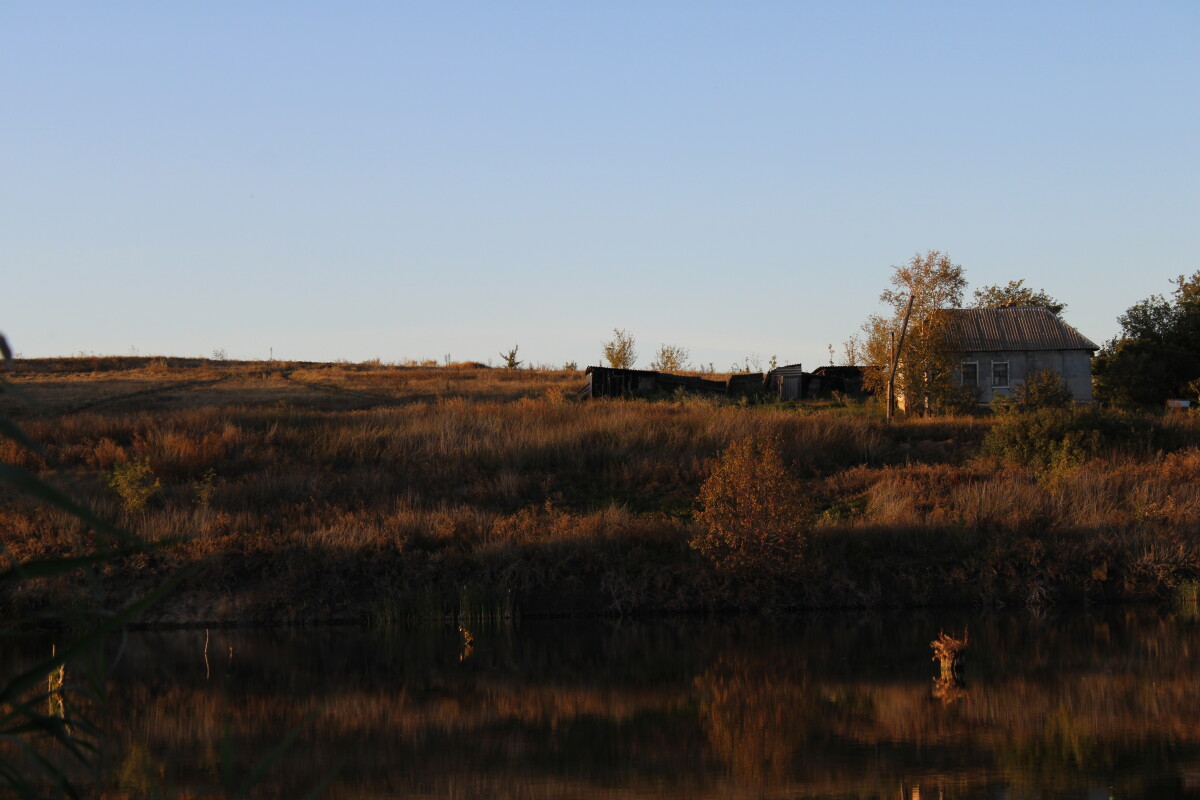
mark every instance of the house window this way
{"type": "Point", "coordinates": [999, 374]}
{"type": "Point", "coordinates": [970, 373]}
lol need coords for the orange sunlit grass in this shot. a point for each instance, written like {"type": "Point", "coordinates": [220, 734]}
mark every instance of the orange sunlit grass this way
{"type": "Point", "coordinates": [360, 491]}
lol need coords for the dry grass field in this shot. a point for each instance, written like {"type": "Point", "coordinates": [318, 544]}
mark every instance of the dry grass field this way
{"type": "Point", "coordinates": [307, 492]}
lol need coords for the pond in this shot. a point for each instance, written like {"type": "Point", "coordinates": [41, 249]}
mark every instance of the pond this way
{"type": "Point", "coordinates": [1094, 704]}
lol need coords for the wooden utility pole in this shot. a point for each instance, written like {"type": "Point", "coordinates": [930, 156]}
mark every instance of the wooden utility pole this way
{"type": "Point", "coordinates": [896, 349]}
{"type": "Point", "coordinates": [891, 375]}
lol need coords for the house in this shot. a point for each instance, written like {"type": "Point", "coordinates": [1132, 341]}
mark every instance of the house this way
{"type": "Point", "coordinates": [787, 381]}
{"type": "Point", "coordinates": [744, 383]}
{"type": "Point", "coordinates": [609, 382]}
{"type": "Point", "coordinates": [999, 347]}
{"type": "Point", "coordinates": [791, 382]}
{"type": "Point", "coordinates": [612, 382]}
{"type": "Point", "coordinates": [845, 379]}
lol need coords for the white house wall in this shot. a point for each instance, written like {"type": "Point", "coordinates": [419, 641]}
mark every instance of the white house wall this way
{"type": "Point", "coordinates": [1075, 366]}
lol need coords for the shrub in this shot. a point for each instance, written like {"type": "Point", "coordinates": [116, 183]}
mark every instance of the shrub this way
{"type": "Point", "coordinates": [752, 510]}
{"type": "Point", "coordinates": [1043, 388]}
{"type": "Point", "coordinates": [205, 488]}
{"type": "Point", "coordinates": [135, 483]}
{"type": "Point", "coordinates": [1052, 438]}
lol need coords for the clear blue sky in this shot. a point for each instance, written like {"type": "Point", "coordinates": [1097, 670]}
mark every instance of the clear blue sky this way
{"type": "Point", "coordinates": [408, 180]}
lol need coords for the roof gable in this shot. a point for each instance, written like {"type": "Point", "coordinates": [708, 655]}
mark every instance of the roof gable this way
{"type": "Point", "coordinates": [1013, 328]}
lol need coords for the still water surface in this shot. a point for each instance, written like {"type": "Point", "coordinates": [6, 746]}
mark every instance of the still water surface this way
{"type": "Point", "coordinates": [1062, 705]}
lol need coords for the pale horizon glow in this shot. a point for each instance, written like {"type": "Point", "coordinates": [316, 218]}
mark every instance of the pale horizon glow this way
{"type": "Point", "coordinates": [410, 181]}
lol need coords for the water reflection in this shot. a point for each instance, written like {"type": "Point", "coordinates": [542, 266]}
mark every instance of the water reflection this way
{"type": "Point", "coordinates": [1101, 704]}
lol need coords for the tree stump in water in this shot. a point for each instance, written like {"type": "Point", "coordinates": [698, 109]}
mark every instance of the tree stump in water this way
{"type": "Point", "coordinates": [947, 651]}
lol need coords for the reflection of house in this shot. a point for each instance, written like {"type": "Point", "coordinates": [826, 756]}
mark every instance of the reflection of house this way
{"type": "Point", "coordinates": [999, 347]}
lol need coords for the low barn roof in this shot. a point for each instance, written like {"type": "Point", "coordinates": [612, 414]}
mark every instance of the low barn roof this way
{"type": "Point", "coordinates": [649, 373]}
{"type": "Point", "coordinates": [1014, 328]}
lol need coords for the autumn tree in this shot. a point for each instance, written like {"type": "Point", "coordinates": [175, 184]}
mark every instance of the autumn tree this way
{"type": "Point", "coordinates": [927, 364]}
{"type": "Point", "coordinates": [620, 351]}
{"type": "Point", "coordinates": [851, 350]}
{"type": "Point", "coordinates": [753, 512]}
{"type": "Point", "coordinates": [670, 358]}
{"type": "Point", "coordinates": [1016, 293]}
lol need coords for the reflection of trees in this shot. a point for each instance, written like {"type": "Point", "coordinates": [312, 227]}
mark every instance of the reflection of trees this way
{"type": "Point", "coordinates": [1079, 698]}
{"type": "Point", "coordinates": [756, 715]}
{"type": "Point", "coordinates": [949, 688]}
{"type": "Point", "coordinates": [823, 706]}
{"type": "Point", "coordinates": [947, 651]}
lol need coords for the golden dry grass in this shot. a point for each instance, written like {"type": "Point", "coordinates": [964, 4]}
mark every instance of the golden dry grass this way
{"type": "Point", "coordinates": [315, 491]}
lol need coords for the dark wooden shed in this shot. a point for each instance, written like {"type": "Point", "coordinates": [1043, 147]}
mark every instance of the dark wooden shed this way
{"type": "Point", "coordinates": [611, 382]}
{"type": "Point", "coordinates": [839, 379]}
{"type": "Point", "coordinates": [787, 382]}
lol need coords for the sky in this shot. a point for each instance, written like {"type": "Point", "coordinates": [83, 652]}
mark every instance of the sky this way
{"type": "Point", "coordinates": [414, 180]}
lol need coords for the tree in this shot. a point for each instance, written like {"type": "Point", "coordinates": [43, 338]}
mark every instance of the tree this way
{"type": "Point", "coordinates": [1016, 293]}
{"type": "Point", "coordinates": [1157, 353]}
{"type": "Point", "coordinates": [753, 511]}
{"type": "Point", "coordinates": [670, 358]}
{"type": "Point", "coordinates": [620, 351]}
{"type": "Point", "coordinates": [510, 358]}
{"type": "Point", "coordinates": [851, 348]}
{"type": "Point", "coordinates": [927, 365]}
{"type": "Point", "coordinates": [933, 279]}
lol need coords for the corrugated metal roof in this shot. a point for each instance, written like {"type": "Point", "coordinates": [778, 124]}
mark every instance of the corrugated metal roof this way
{"type": "Point", "coordinates": [1014, 328]}
{"type": "Point", "coordinates": [788, 369]}
{"type": "Point", "coordinates": [838, 369]}
{"type": "Point", "coordinates": [627, 371]}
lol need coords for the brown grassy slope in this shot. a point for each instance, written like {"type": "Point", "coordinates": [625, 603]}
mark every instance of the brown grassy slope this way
{"type": "Point", "coordinates": [316, 491]}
